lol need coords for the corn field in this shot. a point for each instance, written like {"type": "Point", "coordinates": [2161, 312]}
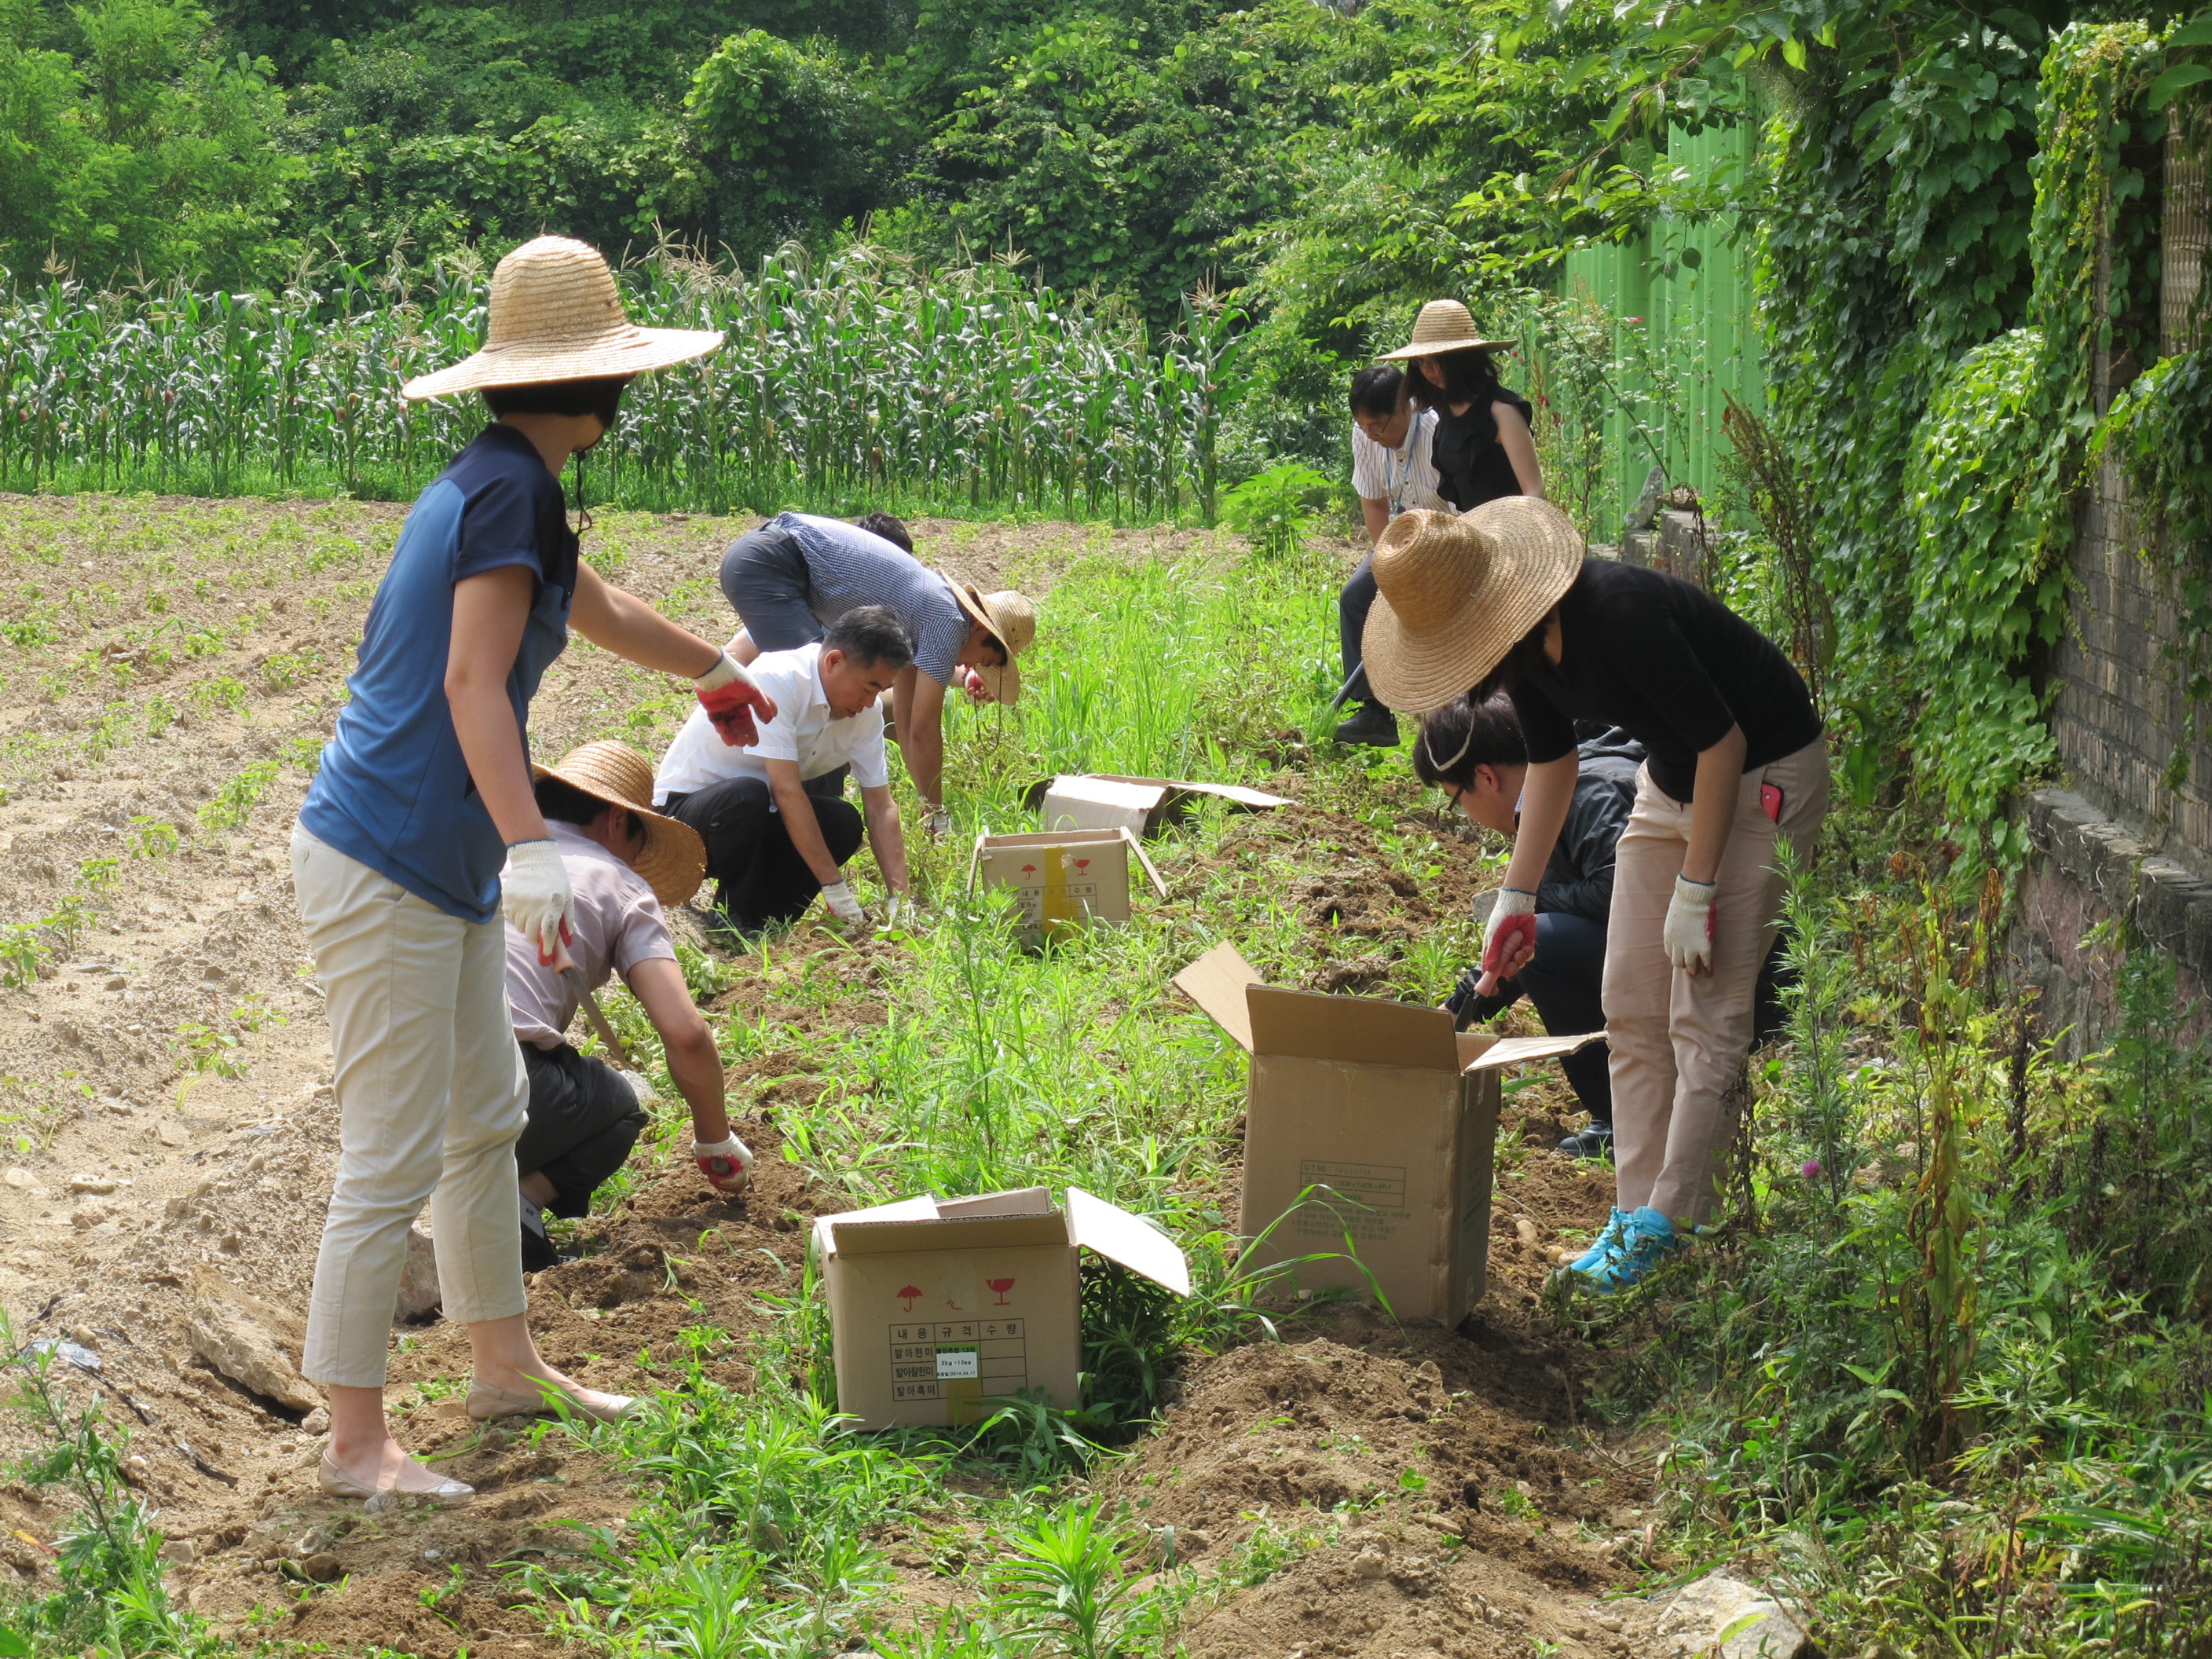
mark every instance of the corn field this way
{"type": "Point", "coordinates": [854, 379]}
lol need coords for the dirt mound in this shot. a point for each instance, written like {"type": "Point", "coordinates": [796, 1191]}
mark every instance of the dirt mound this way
{"type": "Point", "coordinates": [1467, 1511]}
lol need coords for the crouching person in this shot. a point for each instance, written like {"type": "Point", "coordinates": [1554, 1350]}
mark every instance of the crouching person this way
{"type": "Point", "coordinates": [1473, 752]}
{"type": "Point", "coordinates": [623, 862]}
{"type": "Point", "coordinates": [777, 828]}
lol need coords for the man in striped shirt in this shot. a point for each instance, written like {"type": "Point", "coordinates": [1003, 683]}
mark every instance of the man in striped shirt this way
{"type": "Point", "coordinates": [797, 573]}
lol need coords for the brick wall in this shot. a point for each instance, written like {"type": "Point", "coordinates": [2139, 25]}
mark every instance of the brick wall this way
{"type": "Point", "coordinates": [2119, 708]}
{"type": "Point", "coordinates": [2119, 843]}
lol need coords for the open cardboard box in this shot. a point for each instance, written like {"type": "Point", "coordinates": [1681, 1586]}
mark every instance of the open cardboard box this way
{"type": "Point", "coordinates": [1108, 801]}
{"type": "Point", "coordinates": [938, 1307]}
{"type": "Point", "coordinates": [1371, 1122]}
{"type": "Point", "coordinates": [1067, 878]}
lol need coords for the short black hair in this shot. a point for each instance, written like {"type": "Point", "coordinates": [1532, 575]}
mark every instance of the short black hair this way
{"type": "Point", "coordinates": [893, 531]}
{"type": "Point", "coordinates": [560, 802]}
{"type": "Point", "coordinates": [1463, 735]}
{"type": "Point", "coordinates": [870, 634]}
{"type": "Point", "coordinates": [602, 397]}
{"type": "Point", "coordinates": [1375, 390]}
{"type": "Point", "coordinates": [1470, 376]}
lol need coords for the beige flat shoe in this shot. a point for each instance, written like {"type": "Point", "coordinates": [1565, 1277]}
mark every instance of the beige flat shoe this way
{"type": "Point", "coordinates": [486, 1402]}
{"type": "Point", "coordinates": [414, 1481]}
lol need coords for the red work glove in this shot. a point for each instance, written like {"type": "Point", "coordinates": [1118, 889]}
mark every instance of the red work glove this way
{"type": "Point", "coordinates": [1511, 935]}
{"type": "Point", "coordinates": [727, 1164]}
{"type": "Point", "coordinates": [731, 699]}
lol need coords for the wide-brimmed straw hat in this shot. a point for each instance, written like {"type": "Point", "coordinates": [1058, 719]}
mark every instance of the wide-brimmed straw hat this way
{"type": "Point", "coordinates": [557, 315]}
{"type": "Point", "coordinates": [1012, 622]}
{"type": "Point", "coordinates": [674, 861]}
{"type": "Point", "coordinates": [1455, 594]}
{"type": "Point", "coordinates": [1445, 326]}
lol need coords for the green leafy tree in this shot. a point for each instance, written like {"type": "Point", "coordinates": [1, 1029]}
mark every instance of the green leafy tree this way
{"type": "Point", "coordinates": [786, 129]}
{"type": "Point", "coordinates": [130, 147]}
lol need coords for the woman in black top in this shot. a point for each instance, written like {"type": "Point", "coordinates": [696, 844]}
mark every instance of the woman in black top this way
{"type": "Point", "coordinates": [1504, 599]}
{"type": "Point", "coordinates": [1484, 448]}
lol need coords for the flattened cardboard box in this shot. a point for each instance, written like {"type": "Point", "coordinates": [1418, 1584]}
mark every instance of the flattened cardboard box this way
{"type": "Point", "coordinates": [1067, 879]}
{"type": "Point", "coordinates": [1108, 800]}
{"type": "Point", "coordinates": [1369, 1121]}
{"type": "Point", "coordinates": [940, 1308]}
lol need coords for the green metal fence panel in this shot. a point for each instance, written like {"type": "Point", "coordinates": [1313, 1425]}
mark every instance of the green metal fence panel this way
{"type": "Point", "coordinates": [1684, 333]}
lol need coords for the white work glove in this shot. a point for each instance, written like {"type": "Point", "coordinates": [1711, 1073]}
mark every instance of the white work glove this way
{"type": "Point", "coordinates": [534, 894]}
{"type": "Point", "coordinates": [727, 1164]}
{"type": "Point", "coordinates": [1688, 934]}
{"type": "Point", "coordinates": [938, 822]}
{"type": "Point", "coordinates": [898, 911]}
{"type": "Point", "coordinates": [838, 896]}
{"type": "Point", "coordinates": [1512, 921]}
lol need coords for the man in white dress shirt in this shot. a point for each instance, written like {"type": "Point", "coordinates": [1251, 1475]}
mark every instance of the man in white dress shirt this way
{"type": "Point", "coordinates": [777, 827]}
{"type": "Point", "coordinates": [1392, 472]}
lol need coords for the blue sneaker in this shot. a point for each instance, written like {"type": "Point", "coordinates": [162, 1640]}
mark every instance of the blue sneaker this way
{"type": "Point", "coordinates": [1647, 1239]}
{"type": "Point", "coordinates": [1604, 1245]}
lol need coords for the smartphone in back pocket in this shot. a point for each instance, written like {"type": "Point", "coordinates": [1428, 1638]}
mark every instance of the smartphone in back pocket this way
{"type": "Point", "coordinates": [1770, 801]}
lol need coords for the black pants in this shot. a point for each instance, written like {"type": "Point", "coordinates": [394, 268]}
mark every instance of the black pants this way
{"type": "Point", "coordinates": [760, 877]}
{"type": "Point", "coordinates": [583, 1121]}
{"type": "Point", "coordinates": [1563, 982]}
{"type": "Point", "coordinates": [1352, 606]}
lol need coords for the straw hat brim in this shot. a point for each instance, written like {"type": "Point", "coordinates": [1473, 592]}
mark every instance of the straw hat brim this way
{"type": "Point", "coordinates": [674, 861]}
{"type": "Point", "coordinates": [1538, 554]}
{"type": "Point", "coordinates": [1438, 347]}
{"type": "Point", "coordinates": [626, 350]}
{"type": "Point", "coordinates": [1005, 682]}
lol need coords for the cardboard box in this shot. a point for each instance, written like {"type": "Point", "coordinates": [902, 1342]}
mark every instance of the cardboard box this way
{"type": "Point", "coordinates": [1067, 878]}
{"type": "Point", "coordinates": [1107, 800]}
{"type": "Point", "coordinates": [938, 1308]}
{"type": "Point", "coordinates": [1369, 1119]}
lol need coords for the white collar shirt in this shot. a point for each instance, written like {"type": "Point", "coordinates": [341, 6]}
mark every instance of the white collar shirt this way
{"type": "Point", "coordinates": [802, 731]}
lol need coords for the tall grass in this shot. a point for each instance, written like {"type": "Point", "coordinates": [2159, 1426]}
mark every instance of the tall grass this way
{"type": "Point", "coordinates": [854, 378]}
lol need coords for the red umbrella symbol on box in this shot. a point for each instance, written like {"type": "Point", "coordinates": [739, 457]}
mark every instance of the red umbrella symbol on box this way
{"type": "Point", "coordinates": [1001, 1285]}
{"type": "Point", "coordinates": [908, 1294]}
{"type": "Point", "coordinates": [1028, 869]}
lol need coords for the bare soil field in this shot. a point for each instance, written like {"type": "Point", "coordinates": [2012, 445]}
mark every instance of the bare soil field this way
{"type": "Point", "coordinates": [169, 668]}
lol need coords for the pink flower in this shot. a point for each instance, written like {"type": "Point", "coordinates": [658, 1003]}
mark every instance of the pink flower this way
{"type": "Point", "coordinates": [1812, 1171]}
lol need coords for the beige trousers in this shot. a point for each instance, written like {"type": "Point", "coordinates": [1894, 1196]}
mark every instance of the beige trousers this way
{"type": "Point", "coordinates": [431, 1096]}
{"type": "Point", "coordinates": [1678, 1040]}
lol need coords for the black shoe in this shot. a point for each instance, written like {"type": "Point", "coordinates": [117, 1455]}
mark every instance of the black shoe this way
{"type": "Point", "coordinates": [1596, 1141]}
{"type": "Point", "coordinates": [1373, 725]}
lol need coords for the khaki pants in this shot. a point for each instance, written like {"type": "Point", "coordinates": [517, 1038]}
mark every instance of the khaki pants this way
{"type": "Point", "coordinates": [431, 1095]}
{"type": "Point", "coordinates": [1678, 1040]}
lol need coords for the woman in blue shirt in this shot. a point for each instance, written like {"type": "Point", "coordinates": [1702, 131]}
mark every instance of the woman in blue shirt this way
{"type": "Point", "coordinates": [421, 827]}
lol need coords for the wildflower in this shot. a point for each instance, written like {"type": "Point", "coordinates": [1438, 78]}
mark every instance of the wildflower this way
{"type": "Point", "coordinates": [1812, 1171]}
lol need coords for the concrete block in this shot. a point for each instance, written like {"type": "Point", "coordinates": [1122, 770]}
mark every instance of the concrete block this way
{"type": "Point", "coordinates": [2164, 891]}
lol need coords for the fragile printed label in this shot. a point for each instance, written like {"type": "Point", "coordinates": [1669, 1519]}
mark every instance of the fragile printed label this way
{"type": "Point", "coordinates": [988, 1357]}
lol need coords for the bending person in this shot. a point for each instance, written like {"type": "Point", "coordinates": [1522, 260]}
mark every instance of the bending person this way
{"type": "Point", "coordinates": [1392, 472]}
{"type": "Point", "coordinates": [623, 862]}
{"type": "Point", "coordinates": [1473, 752]}
{"type": "Point", "coordinates": [422, 794]}
{"type": "Point", "coordinates": [1504, 599]}
{"type": "Point", "coordinates": [796, 574]}
{"type": "Point", "coordinates": [774, 818]}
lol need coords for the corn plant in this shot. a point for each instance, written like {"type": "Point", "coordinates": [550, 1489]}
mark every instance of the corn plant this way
{"type": "Point", "coordinates": [857, 378]}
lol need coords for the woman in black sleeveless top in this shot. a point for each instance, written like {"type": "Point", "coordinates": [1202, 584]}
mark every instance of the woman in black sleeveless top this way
{"type": "Point", "coordinates": [1483, 447]}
